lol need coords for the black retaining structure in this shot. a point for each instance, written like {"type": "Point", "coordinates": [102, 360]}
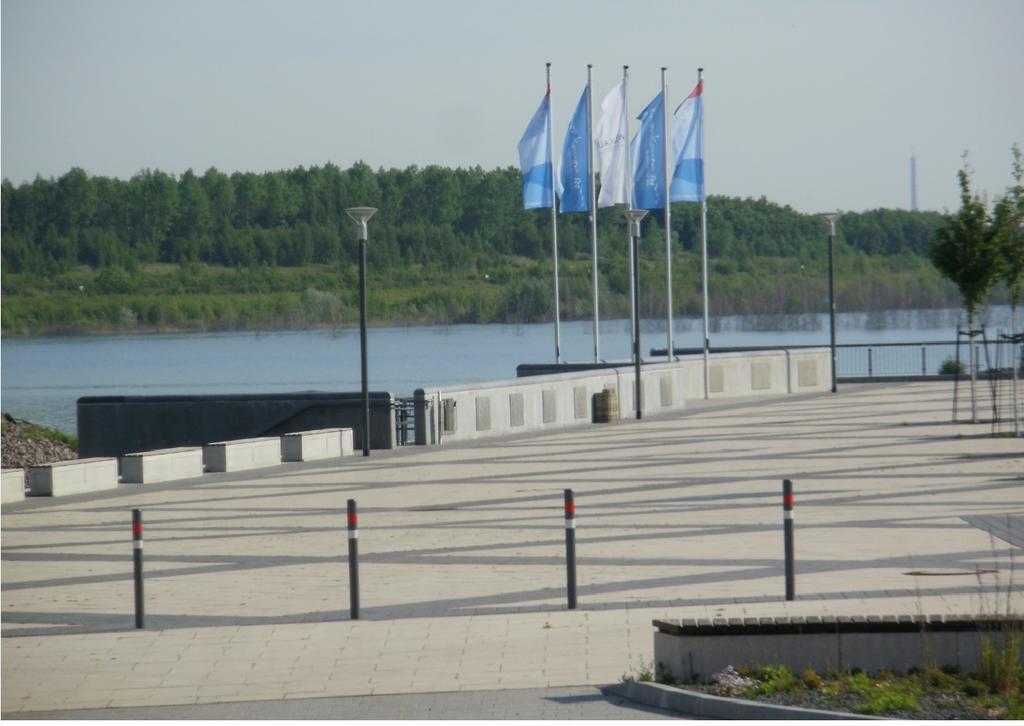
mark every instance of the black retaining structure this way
{"type": "Point", "coordinates": [119, 425]}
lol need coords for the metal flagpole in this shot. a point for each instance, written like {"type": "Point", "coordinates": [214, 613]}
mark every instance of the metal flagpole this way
{"type": "Point", "coordinates": [668, 214]}
{"type": "Point", "coordinates": [629, 205]}
{"type": "Point", "coordinates": [704, 233]}
{"type": "Point", "coordinates": [593, 214]}
{"type": "Point", "coordinates": [554, 227]}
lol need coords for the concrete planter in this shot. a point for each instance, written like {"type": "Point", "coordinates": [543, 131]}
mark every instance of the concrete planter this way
{"type": "Point", "coordinates": [242, 454]}
{"type": "Point", "coordinates": [318, 444]}
{"type": "Point", "coordinates": [13, 485]}
{"type": "Point", "coordinates": [150, 467]}
{"type": "Point", "coordinates": [77, 476]}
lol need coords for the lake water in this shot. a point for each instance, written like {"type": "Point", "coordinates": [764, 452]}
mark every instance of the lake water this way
{"type": "Point", "coordinates": [42, 378]}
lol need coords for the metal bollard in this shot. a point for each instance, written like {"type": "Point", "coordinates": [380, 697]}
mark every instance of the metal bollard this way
{"type": "Point", "coordinates": [924, 362]}
{"type": "Point", "coordinates": [787, 528]}
{"type": "Point", "coordinates": [570, 547]}
{"type": "Point", "coordinates": [353, 560]}
{"type": "Point", "coordinates": [137, 561]}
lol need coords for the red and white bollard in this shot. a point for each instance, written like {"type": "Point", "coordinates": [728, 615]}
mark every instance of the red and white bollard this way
{"type": "Point", "coordinates": [787, 528]}
{"type": "Point", "coordinates": [137, 561]}
{"type": "Point", "coordinates": [570, 547]}
{"type": "Point", "coordinates": [353, 559]}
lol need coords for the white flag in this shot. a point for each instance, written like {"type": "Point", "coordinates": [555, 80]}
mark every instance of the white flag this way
{"type": "Point", "coordinates": [610, 148]}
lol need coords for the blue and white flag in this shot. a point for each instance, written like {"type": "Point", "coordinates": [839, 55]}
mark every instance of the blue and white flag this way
{"type": "Point", "coordinates": [574, 175]}
{"type": "Point", "coordinates": [688, 149]}
{"type": "Point", "coordinates": [649, 157]}
{"type": "Point", "coordinates": [535, 158]}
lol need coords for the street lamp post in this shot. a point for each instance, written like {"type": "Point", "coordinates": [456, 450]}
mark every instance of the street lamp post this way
{"type": "Point", "coordinates": [361, 215]}
{"type": "Point", "coordinates": [831, 218]}
{"type": "Point", "coordinates": [634, 216]}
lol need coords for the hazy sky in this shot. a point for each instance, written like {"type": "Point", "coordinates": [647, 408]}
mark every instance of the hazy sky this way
{"type": "Point", "coordinates": [816, 103]}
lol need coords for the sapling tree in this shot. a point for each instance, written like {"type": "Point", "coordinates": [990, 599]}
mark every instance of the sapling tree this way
{"type": "Point", "coordinates": [964, 250]}
{"type": "Point", "coordinates": [1008, 230]}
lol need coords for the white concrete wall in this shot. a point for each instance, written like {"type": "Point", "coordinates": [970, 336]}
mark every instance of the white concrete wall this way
{"type": "Point", "coordinates": [150, 467]}
{"type": "Point", "coordinates": [487, 410]}
{"type": "Point", "coordinates": [348, 440]}
{"type": "Point", "coordinates": [699, 656]}
{"type": "Point", "coordinates": [242, 454]}
{"type": "Point", "coordinates": [13, 485]}
{"type": "Point", "coordinates": [318, 444]}
{"type": "Point", "coordinates": [76, 476]}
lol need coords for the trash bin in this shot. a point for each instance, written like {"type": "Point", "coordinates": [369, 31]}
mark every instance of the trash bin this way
{"type": "Point", "coordinates": [606, 406]}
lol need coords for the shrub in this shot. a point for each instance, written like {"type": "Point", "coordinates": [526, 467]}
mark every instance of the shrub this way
{"type": "Point", "coordinates": [811, 679]}
{"type": "Point", "coordinates": [951, 366]}
{"type": "Point", "coordinates": [886, 698]}
{"type": "Point", "coordinates": [1000, 660]}
{"type": "Point", "coordinates": [776, 679]}
{"type": "Point", "coordinates": [974, 688]}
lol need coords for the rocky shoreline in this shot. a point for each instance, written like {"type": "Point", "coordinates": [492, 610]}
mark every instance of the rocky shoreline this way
{"type": "Point", "coordinates": [26, 444]}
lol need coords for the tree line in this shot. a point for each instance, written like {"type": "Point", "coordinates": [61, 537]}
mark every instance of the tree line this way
{"type": "Point", "coordinates": [87, 253]}
{"type": "Point", "coordinates": [438, 217]}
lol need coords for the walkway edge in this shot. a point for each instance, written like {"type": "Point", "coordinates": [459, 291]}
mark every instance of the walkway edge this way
{"type": "Point", "coordinates": [704, 705]}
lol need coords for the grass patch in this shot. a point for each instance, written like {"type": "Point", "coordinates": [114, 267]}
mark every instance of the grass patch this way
{"type": "Point", "coordinates": [35, 432]}
{"type": "Point", "coordinates": [992, 693]}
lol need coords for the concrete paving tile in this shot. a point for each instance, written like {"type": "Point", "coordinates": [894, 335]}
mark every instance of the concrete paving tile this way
{"type": "Point", "coordinates": [169, 696]}
{"type": "Point", "coordinates": [491, 611]}
{"type": "Point", "coordinates": [391, 688]}
{"type": "Point", "coordinates": [123, 701]}
{"type": "Point", "coordinates": [269, 677]}
{"type": "Point", "coordinates": [219, 692]}
{"type": "Point", "coordinates": [433, 684]}
{"type": "Point", "coordinates": [77, 701]}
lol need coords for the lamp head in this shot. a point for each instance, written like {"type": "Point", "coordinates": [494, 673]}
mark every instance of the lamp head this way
{"type": "Point", "coordinates": [831, 218]}
{"type": "Point", "coordinates": [361, 215]}
{"type": "Point", "coordinates": [634, 216]}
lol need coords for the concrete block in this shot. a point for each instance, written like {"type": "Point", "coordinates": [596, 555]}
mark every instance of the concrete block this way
{"type": "Point", "coordinates": [347, 442]}
{"type": "Point", "coordinates": [242, 454]}
{"type": "Point", "coordinates": [77, 476]}
{"type": "Point", "coordinates": [515, 409]}
{"type": "Point", "coordinates": [150, 467]}
{"type": "Point", "coordinates": [807, 373]}
{"type": "Point", "coordinates": [579, 402]}
{"type": "Point", "coordinates": [13, 485]}
{"type": "Point", "coordinates": [864, 645]}
{"type": "Point", "coordinates": [549, 405]}
{"type": "Point", "coordinates": [449, 420]}
{"type": "Point", "coordinates": [318, 444]}
{"type": "Point", "coordinates": [483, 413]}
{"type": "Point", "coordinates": [665, 389]}
{"type": "Point", "coordinates": [716, 379]}
{"type": "Point", "coordinates": [760, 376]}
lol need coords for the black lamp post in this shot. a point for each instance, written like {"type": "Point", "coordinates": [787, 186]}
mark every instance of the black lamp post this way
{"type": "Point", "coordinates": [361, 216]}
{"type": "Point", "coordinates": [634, 216]}
{"type": "Point", "coordinates": [831, 218]}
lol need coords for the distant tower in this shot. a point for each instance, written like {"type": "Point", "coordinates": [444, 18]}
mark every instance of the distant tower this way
{"type": "Point", "coordinates": [913, 183]}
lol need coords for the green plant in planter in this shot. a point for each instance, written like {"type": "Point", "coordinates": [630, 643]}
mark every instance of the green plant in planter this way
{"type": "Point", "coordinates": [951, 367]}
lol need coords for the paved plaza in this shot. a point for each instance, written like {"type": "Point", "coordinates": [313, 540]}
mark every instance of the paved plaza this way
{"type": "Point", "coordinates": [462, 555]}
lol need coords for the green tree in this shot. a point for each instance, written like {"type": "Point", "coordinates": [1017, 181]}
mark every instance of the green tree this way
{"type": "Point", "coordinates": [964, 250]}
{"type": "Point", "coordinates": [1008, 229]}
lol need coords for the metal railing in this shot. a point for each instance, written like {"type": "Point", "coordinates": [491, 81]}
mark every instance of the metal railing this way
{"type": "Point", "coordinates": [405, 421]}
{"type": "Point", "coordinates": [881, 360]}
